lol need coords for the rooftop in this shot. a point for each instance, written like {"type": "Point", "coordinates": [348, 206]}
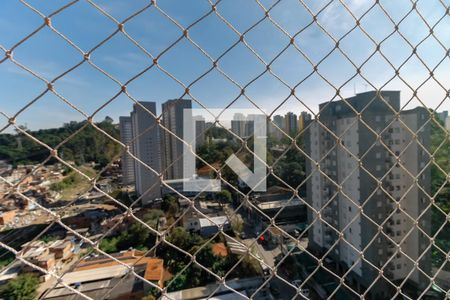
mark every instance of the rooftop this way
{"type": "Point", "coordinates": [61, 244]}
{"type": "Point", "coordinates": [154, 267]}
{"type": "Point", "coordinates": [216, 291]}
{"type": "Point", "coordinates": [213, 221]}
{"type": "Point", "coordinates": [280, 203]}
{"type": "Point", "coordinates": [113, 288]}
{"type": "Point", "coordinates": [95, 274]}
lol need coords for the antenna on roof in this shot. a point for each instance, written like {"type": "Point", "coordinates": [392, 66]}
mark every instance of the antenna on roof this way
{"type": "Point", "coordinates": [354, 88]}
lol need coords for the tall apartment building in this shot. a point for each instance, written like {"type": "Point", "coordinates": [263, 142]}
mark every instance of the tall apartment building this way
{"type": "Point", "coordinates": [200, 130]}
{"type": "Point", "coordinates": [290, 124]}
{"type": "Point", "coordinates": [443, 115]}
{"type": "Point", "coordinates": [172, 147]}
{"type": "Point", "coordinates": [303, 118]}
{"type": "Point", "coordinates": [244, 126]}
{"type": "Point", "coordinates": [274, 132]}
{"type": "Point", "coordinates": [350, 184]}
{"type": "Point", "coordinates": [239, 125]}
{"type": "Point", "coordinates": [146, 147]}
{"type": "Point", "coordinates": [279, 121]}
{"type": "Point", "coordinates": [255, 120]}
{"type": "Point", "coordinates": [127, 162]}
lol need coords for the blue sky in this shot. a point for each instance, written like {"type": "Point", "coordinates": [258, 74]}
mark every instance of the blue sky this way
{"type": "Point", "coordinates": [49, 55]}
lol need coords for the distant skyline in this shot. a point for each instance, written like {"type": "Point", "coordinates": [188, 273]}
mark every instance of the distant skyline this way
{"type": "Point", "coordinates": [49, 55]}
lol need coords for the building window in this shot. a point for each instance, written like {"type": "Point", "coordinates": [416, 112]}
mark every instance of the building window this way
{"type": "Point", "coordinates": [377, 118]}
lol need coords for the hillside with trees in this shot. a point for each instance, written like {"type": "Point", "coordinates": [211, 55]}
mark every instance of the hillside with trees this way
{"type": "Point", "coordinates": [89, 144]}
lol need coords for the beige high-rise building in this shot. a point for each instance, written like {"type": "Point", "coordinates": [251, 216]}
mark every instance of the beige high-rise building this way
{"type": "Point", "coordinates": [146, 147]}
{"type": "Point", "coordinates": [303, 118]}
{"type": "Point", "coordinates": [394, 207]}
{"type": "Point", "coordinates": [172, 147]}
{"type": "Point", "coordinates": [291, 124]}
{"type": "Point", "coordinates": [126, 161]}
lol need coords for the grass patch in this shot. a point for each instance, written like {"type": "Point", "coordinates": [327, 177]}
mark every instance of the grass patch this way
{"type": "Point", "coordinates": [73, 184]}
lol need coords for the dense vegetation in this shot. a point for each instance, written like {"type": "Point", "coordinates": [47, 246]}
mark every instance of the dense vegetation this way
{"type": "Point", "coordinates": [135, 236]}
{"type": "Point", "coordinates": [289, 165]}
{"type": "Point", "coordinates": [193, 275]}
{"type": "Point", "coordinates": [23, 287]}
{"type": "Point", "coordinates": [440, 188]}
{"type": "Point", "coordinates": [139, 237]}
{"type": "Point", "coordinates": [440, 147]}
{"type": "Point", "coordinates": [85, 146]}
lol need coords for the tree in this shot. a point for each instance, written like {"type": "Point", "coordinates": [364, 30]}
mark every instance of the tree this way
{"type": "Point", "coordinates": [108, 120]}
{"type": "Point", "coordinates": [137, 236]}
{"type": "Point", "coordinates": [151, 217]}
{"type": "Point", "coordinates": [109, 245]}
{"type": "Point", "coordinates": [170, 205]}
{"type": "Point", "coordinates": [291, 169]}
{"type": "Point", "coordinates": [205, 256]}
{"type": "Point", "coordinates": [178, 283]}
{"type": "Point", "coordinates": [181, 238]}
{"type": "Point", "coordinates": [224, 196]}
{"type": "Point", "coordinates": [23, 287]}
